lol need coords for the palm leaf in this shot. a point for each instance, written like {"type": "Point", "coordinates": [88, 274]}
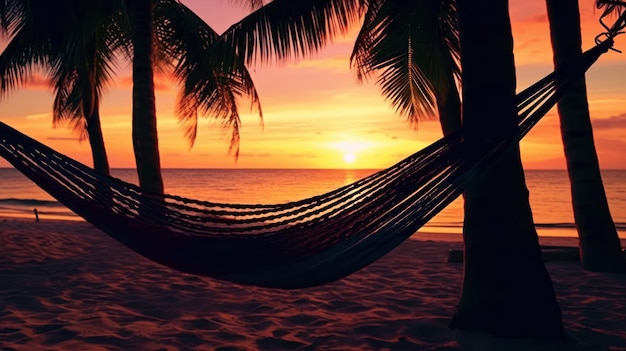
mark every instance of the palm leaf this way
{"type": "Point", "coordinates": [19, 61]}
{"type": "Point", "coordinates": [82, 63]}
{"type": "Point", "coordinates": [11, 16]}
{"type": "Point", "coordinates": [212, 77]}
{"type": "Point", "coordinates": [286, 29]}
{"type": "Point", "coordinates": [413, 48]}
{"type": "Point", "coordinates": [612, 7]}
{"type": "Point", "coordinates": [70, 39]}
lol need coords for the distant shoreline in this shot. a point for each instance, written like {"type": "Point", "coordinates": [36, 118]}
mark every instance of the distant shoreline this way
{"type": "Point", "coordinates": [550, 194]}
{"type": "Point", "coordinates": [425, 233]}
{"type": "Point", "coordinates": [322, 169]}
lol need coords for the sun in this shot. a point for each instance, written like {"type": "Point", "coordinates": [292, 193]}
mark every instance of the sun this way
{"type": "Point", "coordinates": [350, 150]}
{"type": "Point", "coordinates": [349, 157]}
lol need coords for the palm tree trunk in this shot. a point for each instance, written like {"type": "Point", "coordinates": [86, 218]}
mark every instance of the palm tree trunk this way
{"type": "Point", "coordinates": [507, 291]}
{"type": "Point", "coordinates": [91, 112]}
{"type": "Point", "coordinates": [600, 246]}
{"type": "Point", "coordinates": [96, 141]}
{"type": "Point", "coordinates": [145, 138]}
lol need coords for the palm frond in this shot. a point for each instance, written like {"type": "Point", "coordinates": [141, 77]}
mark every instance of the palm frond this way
{"type": "Point", "coordinates": [21, 58]}
{"type": "Point", "coordinates": [212, 77]}
{"type": "Point", "coordinates": [412, 47]}
{"type": "Point", "coordinates": [287, 29]}
{"type": "Point", "coordinates": [82, 63]}
{"type": "Point", "coordinates": [68, 106]}
{"type": "Point", "coordinates": [11, 17]}
{"type": "Point", "coordinates": [71, 40]}
{"type": "Point", "coordinates": [611, 6]}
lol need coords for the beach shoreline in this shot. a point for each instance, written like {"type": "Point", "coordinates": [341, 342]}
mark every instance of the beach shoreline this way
{"type": "Point", "coordinates": [68, 286]}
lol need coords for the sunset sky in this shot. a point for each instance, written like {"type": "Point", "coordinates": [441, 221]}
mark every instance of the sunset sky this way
{"type": "Point", "coordinates": [316, 115]}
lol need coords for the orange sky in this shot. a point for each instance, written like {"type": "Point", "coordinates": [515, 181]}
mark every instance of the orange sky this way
{"type": "Point", "coordinates": [317, 116]}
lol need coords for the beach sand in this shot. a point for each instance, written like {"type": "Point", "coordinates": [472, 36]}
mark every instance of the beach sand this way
{"type": "Point", "coordinates": [68, 286]}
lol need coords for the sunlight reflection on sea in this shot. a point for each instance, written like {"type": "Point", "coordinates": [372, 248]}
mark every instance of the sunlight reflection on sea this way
{"type": "Point", "coordinates": [549, 193]}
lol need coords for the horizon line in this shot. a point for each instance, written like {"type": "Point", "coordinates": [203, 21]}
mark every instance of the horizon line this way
{"type": "Point", "coordinates": [310, 169]}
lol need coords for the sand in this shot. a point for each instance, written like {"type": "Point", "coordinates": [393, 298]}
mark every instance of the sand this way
{"type": "Point", "coordinates": [68, 286]}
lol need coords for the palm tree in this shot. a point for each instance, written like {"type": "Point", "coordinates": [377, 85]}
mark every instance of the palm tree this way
{"type": "Point", "coordinates": [38, 41]}
{"type": "Point", "coordinates": [393, 35]}
{"type": "Point", "coordinates": [77, 42]}
{"type": "Point", "coordinates": [209, 85]}
{"type": "Point", "coordinates": [389, 37]}
{"type": "Point", "coordinates": [600, 246]}
{"type": "Point", "coordinates": [47, 35]}
{"type": "Point", "coordinates": [506, 288]}
{"type": "Point", "coordinates": [144, 124]}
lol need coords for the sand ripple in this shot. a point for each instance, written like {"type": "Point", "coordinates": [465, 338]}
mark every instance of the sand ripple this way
{"type": "Point", "coordinates": [67, 286]}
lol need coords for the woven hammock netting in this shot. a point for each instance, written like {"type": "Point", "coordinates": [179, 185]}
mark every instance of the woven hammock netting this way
{"type": "Point", "coordinates": [292, 245]}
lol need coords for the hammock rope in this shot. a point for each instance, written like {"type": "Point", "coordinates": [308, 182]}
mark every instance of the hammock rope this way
{"type": "Point", "coordinates": [291, 245]}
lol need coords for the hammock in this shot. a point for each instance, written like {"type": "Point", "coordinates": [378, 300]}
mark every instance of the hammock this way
{"type": "Point", "coordinates": [292, 245]}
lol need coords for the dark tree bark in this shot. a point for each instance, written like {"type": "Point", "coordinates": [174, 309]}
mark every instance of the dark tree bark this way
{"type": "Point", "coordinates": [145, 138]}
{"type": "Point", "coordinates": [507, 291]}
{"type": "Point", "coordinates": [600, 247]}
{"type": "Point", "coordinates": [91, 111]}
{"type": "Point", "coordinates": [96, 141]}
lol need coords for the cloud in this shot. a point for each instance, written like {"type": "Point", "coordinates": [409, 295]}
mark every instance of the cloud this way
{"type": "Point", "coordinates": [252, 155]}
{"type": "Point", "coordinates": [39, 116]}
{"type": "Point", "coordinates": [161, 83]}
{"type": "Point", "coordinates": [38, 81]}
{"type": "Point", "coordinates": [611, 145]}
{"type": "Point", "coordinates": [538, 18]}
{"type": "Point", "coordinates": [524, 11]}
{"type": "Point", "coordinates": [303, 155]}
{"type": "Point", "coordinates": [611, 153]}
{"type": "Point", "coordinates": [529, 44]}
{"type": "Point", "coordinates": [613, 122]}
{"type": "Point", "coordinates": [337, 63]}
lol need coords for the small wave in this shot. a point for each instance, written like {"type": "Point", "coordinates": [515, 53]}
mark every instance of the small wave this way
{"type": "Point", "coordinates": [618, 225]}
{"type": "Point", "coordinates": [29, 202]}
{"type": "Point", "coordinates": [445, 224]}
{"type": "Point", "coordinates": [537, 225]}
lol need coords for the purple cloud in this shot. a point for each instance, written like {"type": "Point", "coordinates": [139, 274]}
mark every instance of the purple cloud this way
{"type": "Point", "coordinates": [613, 122]}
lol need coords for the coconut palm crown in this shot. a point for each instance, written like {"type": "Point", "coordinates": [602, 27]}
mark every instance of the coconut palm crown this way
{"type": "Point", "coordinates": [77, 44]}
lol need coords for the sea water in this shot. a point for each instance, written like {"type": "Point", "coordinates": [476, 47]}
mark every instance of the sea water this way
{"type": "Point", "coordinates": [549, 193]}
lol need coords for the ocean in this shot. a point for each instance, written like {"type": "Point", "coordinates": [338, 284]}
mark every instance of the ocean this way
{"type": "Point", "coordinates": [549, 193]}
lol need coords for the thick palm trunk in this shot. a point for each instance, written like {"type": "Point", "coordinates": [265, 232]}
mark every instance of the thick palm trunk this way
{"type": "Point", "coordinates": [507, 291]}
{"type": "Point", "coordinates": [145, 139]}
{"type": "Point", "coordinates": [599, 244]}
